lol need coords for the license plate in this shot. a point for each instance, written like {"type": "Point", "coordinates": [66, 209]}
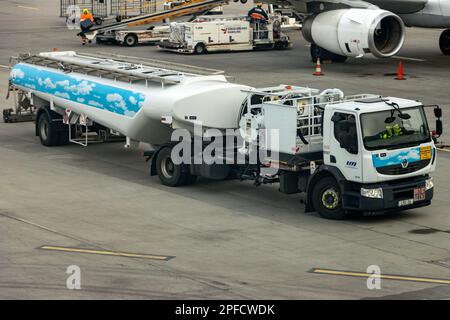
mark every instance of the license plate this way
{"type": "Point", "coordinates": [406, 202]}
{"type": "Point", "coordinates": [419, 194]}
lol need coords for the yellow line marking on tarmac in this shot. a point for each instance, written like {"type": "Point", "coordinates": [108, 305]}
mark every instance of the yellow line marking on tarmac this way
{"type": "Point", "coordinates": [30, 8]}
{"type": "Point", "coordinates": [4, 67]}
{"type": "Point", "coordinates": [107, 253]}
{"type": "Point", "coordinates": [381, 276]}
{"type": "Point", "coordinates": [445, 150]}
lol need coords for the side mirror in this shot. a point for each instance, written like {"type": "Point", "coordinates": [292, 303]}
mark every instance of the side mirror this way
{"type": "Point", "coordinates": [404, 116]}
{"type": "Point", "coordinates": [437, 112]}
{"type": "Point", "coordinates": [389, 120]}
{"type": "Point", "coordinates": [439, 128]}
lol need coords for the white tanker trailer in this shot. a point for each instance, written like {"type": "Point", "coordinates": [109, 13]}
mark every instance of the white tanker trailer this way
{"type": "Point", "coordinates": [359, 153]}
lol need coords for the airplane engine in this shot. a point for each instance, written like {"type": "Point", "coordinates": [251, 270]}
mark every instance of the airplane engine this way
{"type": "Point", "coordinates": [356, 32]}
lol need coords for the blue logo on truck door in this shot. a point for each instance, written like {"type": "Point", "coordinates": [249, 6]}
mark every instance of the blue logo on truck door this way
{"type": "Point", "coordinates": [77, 89]}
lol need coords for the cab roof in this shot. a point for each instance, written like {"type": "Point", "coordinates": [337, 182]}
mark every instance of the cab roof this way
{"type": "Point", "coordinates": [374, 104]}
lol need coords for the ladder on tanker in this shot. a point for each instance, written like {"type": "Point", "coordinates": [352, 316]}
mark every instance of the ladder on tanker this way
{"type": "Point", "coordinates": [183, 9]}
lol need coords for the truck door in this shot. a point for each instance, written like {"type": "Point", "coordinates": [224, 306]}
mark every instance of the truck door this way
{"type": "Point", "coordinates": [345, 149]}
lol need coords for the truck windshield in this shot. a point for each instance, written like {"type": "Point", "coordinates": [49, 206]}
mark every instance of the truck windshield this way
{"type": "Point", "coordinates": [389, 130]}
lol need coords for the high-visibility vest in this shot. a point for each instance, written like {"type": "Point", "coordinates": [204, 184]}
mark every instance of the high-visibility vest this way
{"type": "Point", "coordinates": [87, 16]}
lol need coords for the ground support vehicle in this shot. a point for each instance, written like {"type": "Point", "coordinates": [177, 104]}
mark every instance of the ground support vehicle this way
{"type": "Point", "coordinates": [363, 153]}
{"type": "Point", "coordinates": [225, 33]}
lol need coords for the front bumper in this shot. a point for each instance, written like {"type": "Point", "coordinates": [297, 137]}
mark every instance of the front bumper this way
{"type": "Point", "coordinates": [395, 195]}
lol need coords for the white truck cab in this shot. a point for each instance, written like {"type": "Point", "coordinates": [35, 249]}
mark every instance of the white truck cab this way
{"type": "Point", "coordinates": [364, 153]}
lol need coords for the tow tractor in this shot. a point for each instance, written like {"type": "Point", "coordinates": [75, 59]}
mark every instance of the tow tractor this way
{"type": "Point", "coordinates": [364, 153]}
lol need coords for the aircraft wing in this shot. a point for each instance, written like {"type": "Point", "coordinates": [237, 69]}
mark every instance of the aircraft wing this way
{"type": "Point", "coordinates": [400, 6]}
{"type": "Point", "coordinates": [315, 6]}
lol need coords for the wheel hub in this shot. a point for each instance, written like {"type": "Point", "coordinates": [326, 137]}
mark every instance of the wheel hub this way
{"type": "Point", "coordinates": [330, 199]}
{"type": "Point", "coordinates": [44, 130]}
{"type": "Point", "coordinates": [168, 167]}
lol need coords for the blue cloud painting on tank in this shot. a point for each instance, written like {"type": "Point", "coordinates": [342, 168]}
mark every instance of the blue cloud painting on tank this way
{"type": "Point", "coordinates": [73, 88]}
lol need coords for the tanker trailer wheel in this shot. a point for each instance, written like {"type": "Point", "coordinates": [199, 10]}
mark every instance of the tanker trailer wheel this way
{"type": "Point", "coordinates": [444, 42]}
{"type": "Point", "coordinates": [169, 173]}
{"type": "Point", "coordinates": [47, 130]}
{"type": "Point", "coordinates": [327, 200]}
{"type": "Point", "coordinates": [325, 55]}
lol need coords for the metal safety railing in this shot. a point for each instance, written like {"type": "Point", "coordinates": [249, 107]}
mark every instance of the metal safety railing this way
{"type": "Point", "coordinates": [98, 8]}
{"type": "Point", "coordinates": [124, 9]}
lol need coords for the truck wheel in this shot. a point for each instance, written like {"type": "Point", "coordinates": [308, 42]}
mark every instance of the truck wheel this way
{"type": "Point", "coordinates": [130, 40]}
{"type": "Point", "coordinates": [325, 55]}
{"type": "Point", "coordinates": [327, 199]}
{"type": "Point", "coordinates": [444, 42]}
{"type": "Point", "coordinates": [7, 115]}
{"type": "Point", "coordinates": [48, 133]}
{"type": "Point", "coordinates": [200, 48]}
{"type": "Point", "coordinates": [169, 173]}
{"type": "Point", "coordinates": [98, 21]}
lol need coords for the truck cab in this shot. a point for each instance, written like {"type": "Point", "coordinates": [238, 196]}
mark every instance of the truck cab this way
{"type": "Point", "coordinates": [347, 153]}
{"type": "Point", "coordinates": [382, 152]}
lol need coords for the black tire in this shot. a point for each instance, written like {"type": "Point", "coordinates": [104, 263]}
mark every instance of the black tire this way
{"type": "Point", "coordinates": [281, 45]}
{"type": "Point", "coordinates": [118, 18]}
{"type": "Point", "coordinates": [48, 131]}
{"type": "Point", "coordinates": [327, 199]}
{"type": "Point", "coordinates": [244, 1]}
{"type": "Point", "coordinates": [98, 21]}
{"type": "Point", "coordinates": [130, 40]}
{"type": "Point", "coordinates": [325, 55]}
{"type": "Point", "coordinates": [200, 48]}
{"type": "Point", "coordinates": [444, 42]}
{"type": "Point", "coordinates": [7, 115]}
{"type": "Point", "coordinates": [171, 174]}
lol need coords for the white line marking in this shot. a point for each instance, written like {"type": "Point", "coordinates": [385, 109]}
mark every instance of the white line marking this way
{"type": "Point", "coordinates": [30, 8]}
{"type": "Point", "coordinates": [4, 67]}
{"type": "Point", "coordinates": [408, 58]}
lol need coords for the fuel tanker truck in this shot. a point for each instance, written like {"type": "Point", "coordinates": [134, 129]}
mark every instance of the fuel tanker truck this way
{"type": "Point", "coordinates": [365, 153]}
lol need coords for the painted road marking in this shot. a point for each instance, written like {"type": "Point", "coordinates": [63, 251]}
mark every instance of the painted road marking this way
{"type": "Point", "coordinates": [445, 150]}
{"type": "Point", "coordinates": [4, 67]}
{"type": "Point", "coordinates": [30, 8]}
{"type": "Point", "coordinates": [408, 58]}
{"type": "Point", "coordinates": [107, 253]}
{"type": "Point", "coordinates": [382, 276]}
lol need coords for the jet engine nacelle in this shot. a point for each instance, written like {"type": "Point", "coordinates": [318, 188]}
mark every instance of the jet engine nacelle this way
{"type": "Point", "coordinates": [356, 32]}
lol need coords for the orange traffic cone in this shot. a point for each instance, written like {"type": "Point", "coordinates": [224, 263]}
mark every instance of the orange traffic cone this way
{"type": "Point", "coordinates": [400, 74]}
{"type": "Point", "coordinates": [318, 68]}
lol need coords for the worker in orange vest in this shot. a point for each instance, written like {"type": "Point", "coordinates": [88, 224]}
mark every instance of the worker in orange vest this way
{"type": "Point", "coordinates": [86, 22]}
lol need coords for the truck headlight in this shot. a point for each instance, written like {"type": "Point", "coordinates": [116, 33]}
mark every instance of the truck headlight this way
{"type": "Point", "coordinates": [372, 193]}
{"type": "Point", "coordinates": [429, 184]}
